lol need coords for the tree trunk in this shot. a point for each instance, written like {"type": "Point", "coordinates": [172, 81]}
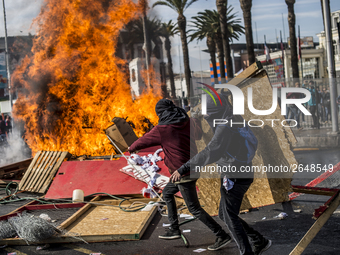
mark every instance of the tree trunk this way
{"type": "Point", "coordinates": [246, 8]}
{"type": "Point", "coordinates": [170, 71]}
{"type": "Point", "coordinates": [220, 55]}
{"type": "Point", "coordinates": [222, 11]}
{"type": "Point", "coordinates": [212, 50]}
{"type": "Point", "coordinates": [181, 21]}
{"type": "Point", "coordinates": [292, 38]}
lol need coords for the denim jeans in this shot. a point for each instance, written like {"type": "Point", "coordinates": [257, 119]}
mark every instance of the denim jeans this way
{"type": "Point", "coordinates": [312, 110]}
{"type": "Point", "coordinates": [228, 212]}
{"type": "Point", "coordinates": [296, 115]}
{"type": "Point", "coordinates": [189, 193]}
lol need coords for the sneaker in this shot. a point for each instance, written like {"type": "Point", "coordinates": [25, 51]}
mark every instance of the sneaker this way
{"type": "Point", "coordinates": [263, 247]}
{"type": "Point", "coordinates": [171, 234]}
{"type": "Point", "coordinates": [220, 242]}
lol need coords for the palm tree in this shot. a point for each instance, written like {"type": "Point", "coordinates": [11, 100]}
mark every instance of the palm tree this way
{"type": "Point", "coordinates": [292, 38]}
{"type": "Point", "coordinates": [170, 29]}
{"type": "Point", "coordinates": [246, 8]}
{"type": "Point", "coordinates": [180, 6]}
{"type": "Point", "coordinates": [136, 32]}
{"type": "Point", "coordinates": [207, 25]}
{"type": "Point", "coordinates": [222, 11]}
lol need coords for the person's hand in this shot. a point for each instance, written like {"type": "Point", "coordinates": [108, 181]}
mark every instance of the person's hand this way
{"type": "Point", "coordinates": [176, 176]}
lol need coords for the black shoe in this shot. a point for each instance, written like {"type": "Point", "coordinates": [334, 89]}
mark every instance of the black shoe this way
{"type": "Point", "coordinates": [259, 249]}
{"type": "Point", "coordinates": [220, 242]}
{"type": "Point", "coordinates": [171, 234]}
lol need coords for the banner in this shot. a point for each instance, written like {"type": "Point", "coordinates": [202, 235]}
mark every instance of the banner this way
{"type": "Point", "coordinates": [3, 73]}
{"type": "Point", "coordinates": [278, 68]}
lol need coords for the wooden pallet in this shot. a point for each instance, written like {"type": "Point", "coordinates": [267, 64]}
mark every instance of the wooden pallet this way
{"type": "Point", "coordinates": [42, 170]}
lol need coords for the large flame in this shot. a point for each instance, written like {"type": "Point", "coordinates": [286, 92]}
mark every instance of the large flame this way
{"type": "Point", "coordinates": [73, 85]}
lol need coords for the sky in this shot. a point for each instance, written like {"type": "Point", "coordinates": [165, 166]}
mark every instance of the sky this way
{"type": "Point", "coordinates": [267, 14]}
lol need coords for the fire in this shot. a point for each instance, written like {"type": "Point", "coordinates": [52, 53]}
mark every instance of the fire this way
{"type": "Point", "coordinates": [73, 85]}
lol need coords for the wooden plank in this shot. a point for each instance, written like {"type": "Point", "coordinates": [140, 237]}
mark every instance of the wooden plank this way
{"type": "Point", "coordinates": [308, 237]}
{"type": "Point", "coordinates": [52, 173]}
{"type": "Point", "coordinates": [314, 191]}
{"type": "Point", "coordinates": [14, 168]}
{"type": "Point", "coordinates": [53, 160]}
{"type": "Point", "coordinates": [144, 225]}
{"type": "Point", "coordinates": [34, 170]}
{"type": "Point", "coordinates": [68, 239]}
{"type": "Point", "coordinates": [250, 71]}
{"type": "Point", "coordinates": [77, 214]}
{"type": "Point", "coordinates": [27, 173]}
{"type": "Point", "coordinates": [20, 208]}
{"type": "Point", "coordinates": [33, 207]}
{"type": "Point", "coordinates": [38, 171]}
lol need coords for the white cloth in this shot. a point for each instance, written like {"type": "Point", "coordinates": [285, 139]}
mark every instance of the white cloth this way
{"type": "Point", "coordinates": [147, 162]}
{"type": "Point", "coordinates": [227, 183]}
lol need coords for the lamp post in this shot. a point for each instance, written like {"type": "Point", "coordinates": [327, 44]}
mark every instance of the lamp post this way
{"type": "Point", "coordinates": [199, 51]}
{"type": "Point", "coordinates": [7, 58]}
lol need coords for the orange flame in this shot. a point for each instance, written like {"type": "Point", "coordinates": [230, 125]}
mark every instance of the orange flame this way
{"type": "Point", "coordinates": [73, 84]}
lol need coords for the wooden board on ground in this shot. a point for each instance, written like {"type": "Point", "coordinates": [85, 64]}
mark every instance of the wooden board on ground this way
{"type": "Point", "coordinates": [308, 237]}
{"type": "Point", "coordinates": [100, 223]}
{"type": "Point", "coordinates": [274, 148]}
{"type": "Point", "coordinates": [42, 170]}
{"type": "Point", "coordinates": [15, 170]}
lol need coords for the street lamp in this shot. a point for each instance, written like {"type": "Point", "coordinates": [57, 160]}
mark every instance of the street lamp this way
{"type": "Point", "coordinates": [7, 58]}
{"type": "Point", "coordinates": [199, 49]}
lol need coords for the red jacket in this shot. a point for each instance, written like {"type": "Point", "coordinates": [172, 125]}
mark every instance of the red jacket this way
{"type": "Point", "coordinates": [177, 142]}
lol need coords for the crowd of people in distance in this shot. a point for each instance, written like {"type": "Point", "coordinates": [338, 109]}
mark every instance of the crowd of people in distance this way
{"type": "Point", "coordinates": [5, 127]}
{"type": "Point", "coordinates": [319, 105]}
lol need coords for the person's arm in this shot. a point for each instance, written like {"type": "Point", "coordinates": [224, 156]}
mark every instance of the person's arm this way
{"type": "Point", "coordinates": [216, 148]}
{"type": "Point", "coordinates": [150, 139]}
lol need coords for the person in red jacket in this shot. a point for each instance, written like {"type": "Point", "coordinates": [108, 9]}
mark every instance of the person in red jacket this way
{"type": "Point", "coordinates": [173, 134]}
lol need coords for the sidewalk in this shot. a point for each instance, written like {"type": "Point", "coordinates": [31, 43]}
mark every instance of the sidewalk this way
{"type": "Point", "coordinates": [316, 138]}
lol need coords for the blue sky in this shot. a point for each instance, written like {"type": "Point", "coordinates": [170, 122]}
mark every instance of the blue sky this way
{"type": "Point", "coordinates": [266, 13]}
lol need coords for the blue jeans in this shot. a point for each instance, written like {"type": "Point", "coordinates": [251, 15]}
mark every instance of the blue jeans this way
{"type": "Point", "coordinates": [296, 115]}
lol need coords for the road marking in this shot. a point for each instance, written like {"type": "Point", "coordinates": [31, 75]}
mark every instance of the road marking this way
{"type": "Point", "coordinates": [80, 249]}
{"type": "Point", "coordinates": [306, 149]}
{"type": "Point", "coordinates": [14, 250]}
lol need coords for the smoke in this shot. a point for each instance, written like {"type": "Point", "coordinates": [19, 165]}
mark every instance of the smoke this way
{"type": "Point", "coordinates": [15, 149]}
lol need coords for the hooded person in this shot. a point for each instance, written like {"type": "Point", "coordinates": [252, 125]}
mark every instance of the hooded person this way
{"type": "Point", "coordinates": [176, 134]}
{"type": "Point", "coordinates": [228, 150]}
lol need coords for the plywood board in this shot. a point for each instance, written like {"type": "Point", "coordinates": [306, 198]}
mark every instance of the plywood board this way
{"type": "Point", "coordinates": [274, 148]}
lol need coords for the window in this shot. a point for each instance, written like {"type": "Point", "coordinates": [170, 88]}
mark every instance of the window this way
{"type": "Point", "coordinates": [133, 75]}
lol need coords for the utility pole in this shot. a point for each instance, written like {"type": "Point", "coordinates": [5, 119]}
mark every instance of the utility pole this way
{"type": "Point", "coordinates": [300, 54]}
{"type": "Point", "coordinates": [330, 61]}
{"type": "Point", "coordinates": [146, 42]}
{"type": "Point", "coordinates": [257, 40]}
{"type": "Point", "coordinates": [284, 32]}
{"type": "Point", "coordinates": [7, 58]}
{"type": "Point", "coordinates": [180, 69]}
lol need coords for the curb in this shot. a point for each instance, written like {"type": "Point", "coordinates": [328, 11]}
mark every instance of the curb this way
{"type": "Point", "coordinates": [329, 141]}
